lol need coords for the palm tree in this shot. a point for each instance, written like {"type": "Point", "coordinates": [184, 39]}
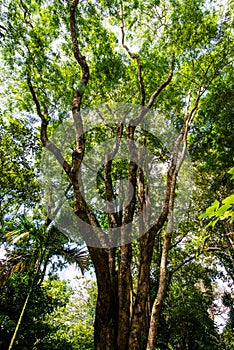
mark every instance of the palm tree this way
{"type": "Point", "coordinates": [33, 247]}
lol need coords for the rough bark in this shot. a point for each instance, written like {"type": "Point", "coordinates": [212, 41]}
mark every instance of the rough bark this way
{"type": "Point", "coordinates": [105, 327]}
{"type": "Point", "coordinates": [124, 296]}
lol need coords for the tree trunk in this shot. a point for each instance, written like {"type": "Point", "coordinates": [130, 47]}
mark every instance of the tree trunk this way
{"type": "Point", "coordinates": [25, 304]}
{"type": "Point", "coordinates": [124, 297]}
{"type": "Point", "coordinates": [158, 302]}
{"type": "Point", "coordinates": [140, 314]}
{"type": "Point", "coordinates": [105, 327]}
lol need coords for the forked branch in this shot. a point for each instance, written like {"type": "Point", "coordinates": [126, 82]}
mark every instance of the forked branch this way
{"type": "Point", "coordinates": [44, 123]}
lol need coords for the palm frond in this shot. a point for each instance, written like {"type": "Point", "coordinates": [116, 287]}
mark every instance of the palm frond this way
{"type": "Point", "coordinates": [78, 256]}
{"type": "Point", "coordinates": [15, 236]}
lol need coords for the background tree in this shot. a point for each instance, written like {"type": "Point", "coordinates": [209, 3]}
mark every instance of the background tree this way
{"type": "Point", "coordinates": [19, 187]}
{"type": "Point", "coordinates": [44, 300]}
{"type": "Point", "coordinates": [76, 319]}
{"type": "Point", "coordinates": [32, 249]}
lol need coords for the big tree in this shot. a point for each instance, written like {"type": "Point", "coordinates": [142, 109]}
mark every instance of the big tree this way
{"type": "Point", "coordinates": [164, 56]}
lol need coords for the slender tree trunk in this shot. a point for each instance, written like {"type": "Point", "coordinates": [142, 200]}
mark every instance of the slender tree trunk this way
{"type": "Point", "coordinates": [20, 318]}
{"type": "Point", "coordinates": [25, 305]}
{"type": "Point", "coordinates": [158, 302]}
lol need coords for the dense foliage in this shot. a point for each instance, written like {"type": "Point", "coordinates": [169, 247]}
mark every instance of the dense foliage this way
{"type": "Point", "coordinates": [60, 59]}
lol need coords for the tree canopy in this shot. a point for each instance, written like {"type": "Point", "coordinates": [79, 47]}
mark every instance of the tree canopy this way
{"type": "Point", "coordinates": [117, 137]}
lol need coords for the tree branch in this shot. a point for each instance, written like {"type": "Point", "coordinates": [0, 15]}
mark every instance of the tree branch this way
{"type": "Point", "coordinates": [163, 85]}
{"type": "Point", "coordinates": [44, 123]}
{"type": "Point", "coordinates": [186, 261]}
{"type": "Point", "coordinates": [78, 154]}
{"type": "Point", "coordinates": [75, 47]}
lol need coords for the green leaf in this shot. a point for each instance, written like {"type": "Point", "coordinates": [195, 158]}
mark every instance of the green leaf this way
{"type": "Point", "coordinates": [210, 211]}
{"type": "Point", "coordinates": [229, 200]}
{"type": "Point", "coordinates": [231, 171]}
